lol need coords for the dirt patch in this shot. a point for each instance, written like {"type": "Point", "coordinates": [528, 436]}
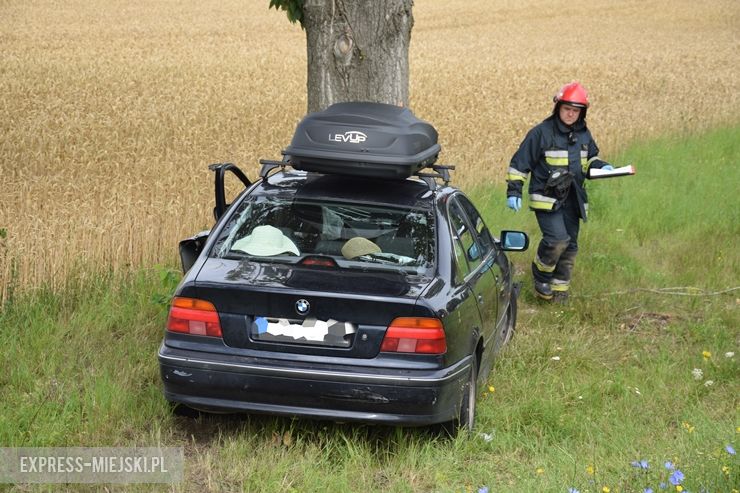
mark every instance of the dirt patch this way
{"type": "Point", "coordinates": [644, 319]}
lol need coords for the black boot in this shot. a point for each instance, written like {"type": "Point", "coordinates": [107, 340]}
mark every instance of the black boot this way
{"type": "Point", "coordinates": [560, 297]}
{"type": "Point", "coordinates": [542, 290]}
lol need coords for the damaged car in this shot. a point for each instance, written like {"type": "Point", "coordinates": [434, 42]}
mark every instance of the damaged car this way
{"type": "Point", "coordinates": [350, 282]}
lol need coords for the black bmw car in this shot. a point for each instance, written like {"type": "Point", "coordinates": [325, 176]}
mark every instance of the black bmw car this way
{"type": "Point", "coordinates": [350, 282]}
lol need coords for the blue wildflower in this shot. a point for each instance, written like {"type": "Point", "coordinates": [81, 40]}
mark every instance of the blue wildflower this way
{"type": "Point", "coordinates": [730, 450]}
{"type": "Point", "coordinates": [640, 464]}
{"type": "Point", "coordinates": [676, 477]}
{"type": "Point", "coordinates": [483, 489]}
{"type": "Point", "coordinates": [669, 465]}
{"type": "Point", "coordinates": [573, 490]}
{"type": "Point", "coordinates": [662, 486]}
{"type": "Point", "coordinates": [647, 490]}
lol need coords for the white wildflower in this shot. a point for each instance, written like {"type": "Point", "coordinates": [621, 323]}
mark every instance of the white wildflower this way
{"type": "Point", "coordinates": [729, 354]}
{"type": "Point", "coordinates": [697, 373]}
{"type": "Point", "coordinates": [555, 358]}
{"type": "Point", "coordinates": [709, 383]}
{"type": "Point", "coordinates": [487, 437]}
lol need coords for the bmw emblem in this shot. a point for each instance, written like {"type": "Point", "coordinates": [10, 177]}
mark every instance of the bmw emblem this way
{"type": "Point", "coordinates": [302, 306]}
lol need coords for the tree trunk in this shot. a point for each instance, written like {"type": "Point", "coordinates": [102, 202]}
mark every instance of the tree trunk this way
{"type": "Point", "coordinates": [358, 50]}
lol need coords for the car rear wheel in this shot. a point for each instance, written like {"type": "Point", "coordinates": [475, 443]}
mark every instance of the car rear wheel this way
{"type": "Point", "coordinates": [509, 323]}
{"type": "Point", "coordinates": [466, 419]}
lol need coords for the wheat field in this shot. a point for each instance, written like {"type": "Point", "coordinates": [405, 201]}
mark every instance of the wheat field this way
{"type": "Point", "coordinates": [112, 110]}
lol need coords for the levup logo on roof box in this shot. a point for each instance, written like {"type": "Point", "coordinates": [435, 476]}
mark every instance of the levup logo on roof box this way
{"type": "Point", "coordinates": [353, 137]}
{"type": "Point", "coordinates": [363, 139]}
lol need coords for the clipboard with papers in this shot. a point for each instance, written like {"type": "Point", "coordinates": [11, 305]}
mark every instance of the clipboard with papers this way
{"type": "Point", "coordinates": [596, 173]}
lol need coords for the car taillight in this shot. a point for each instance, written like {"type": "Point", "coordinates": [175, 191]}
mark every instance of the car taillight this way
{"type": "Point", "coordinates": [415, 335]}
{"type": "Point", "coordinates": [193, 316]}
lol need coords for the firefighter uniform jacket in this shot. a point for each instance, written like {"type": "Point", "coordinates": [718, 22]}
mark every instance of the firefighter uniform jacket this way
{"type": "Point", "coordinates": [549, 149]}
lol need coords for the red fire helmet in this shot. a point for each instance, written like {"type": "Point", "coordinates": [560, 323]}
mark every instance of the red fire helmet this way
{"type": "Point", "coordinates": [574, 94]}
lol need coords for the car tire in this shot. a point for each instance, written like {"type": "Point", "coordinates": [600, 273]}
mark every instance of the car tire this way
{"type": "Point", "coordinates": [465, 421]}
{"type": "Point", "coordinates": [510, 322]}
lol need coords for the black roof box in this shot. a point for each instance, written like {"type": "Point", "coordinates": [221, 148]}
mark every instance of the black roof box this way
{"type": "Point", "coordinates": [363, 139]}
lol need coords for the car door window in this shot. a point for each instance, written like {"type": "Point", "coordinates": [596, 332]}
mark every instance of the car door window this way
{"type": "Point", "coordinates": [484, 236]}
{"type": "Point", "coordinates": [467, 251]}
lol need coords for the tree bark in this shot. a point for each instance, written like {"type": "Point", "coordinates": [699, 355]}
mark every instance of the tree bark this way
{"type": "Point", "coordinates": [358, 50]}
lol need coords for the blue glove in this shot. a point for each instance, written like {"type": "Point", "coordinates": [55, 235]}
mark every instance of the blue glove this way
{"type": "Point", "coordinates": [608, 167]}
{"type": "Point", "coordinates": [514, 203]}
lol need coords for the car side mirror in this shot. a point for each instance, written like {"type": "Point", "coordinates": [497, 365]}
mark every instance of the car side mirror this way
{"type": "Point", "coordinates": [190, 250]}
{"type": "Point", "coordinates": [473, 252]}
{"type": "Point", "coordinates": [514, 241]}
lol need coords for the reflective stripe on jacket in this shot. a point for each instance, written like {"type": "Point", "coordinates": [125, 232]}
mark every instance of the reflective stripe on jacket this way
{"type": "Point", "coordinates": [551, 146]}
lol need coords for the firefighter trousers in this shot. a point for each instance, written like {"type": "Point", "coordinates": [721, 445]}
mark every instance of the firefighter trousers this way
{"type": "Point", "coordinates": [556, 253]}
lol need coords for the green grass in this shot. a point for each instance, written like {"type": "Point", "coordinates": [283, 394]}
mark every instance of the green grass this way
{"type": "Point", "coordinates": [81, 369]}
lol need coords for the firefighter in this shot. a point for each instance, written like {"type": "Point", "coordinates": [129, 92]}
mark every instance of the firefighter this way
{"type": "Point", "coordinates": [558, 154]}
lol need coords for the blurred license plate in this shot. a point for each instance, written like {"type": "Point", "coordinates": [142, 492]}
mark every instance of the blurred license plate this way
{"type": "Point", "coordinates": [309, 331]}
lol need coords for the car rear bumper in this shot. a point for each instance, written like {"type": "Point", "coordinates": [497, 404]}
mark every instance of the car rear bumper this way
{"type": "Point", "coordinates": [218, 382]}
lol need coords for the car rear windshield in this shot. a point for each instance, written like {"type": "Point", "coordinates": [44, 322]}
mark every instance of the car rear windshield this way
{"type": "Point", "coordinates": [354, 235]}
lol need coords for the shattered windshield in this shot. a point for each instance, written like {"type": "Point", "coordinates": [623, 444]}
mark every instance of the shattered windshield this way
{"type": "Point", "coordinates": [274, 228]}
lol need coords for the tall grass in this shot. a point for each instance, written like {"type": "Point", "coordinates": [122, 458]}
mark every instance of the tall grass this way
{"type": "Point", "coordinates": [111, 112]}
{"type": "Point", "coordinates": [584, 389]}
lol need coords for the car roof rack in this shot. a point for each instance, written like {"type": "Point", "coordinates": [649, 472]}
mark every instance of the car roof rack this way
{"type": "Point", "coordinates": [438, 172]}
{"type": "Point", "coordinates": [269, 164]}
